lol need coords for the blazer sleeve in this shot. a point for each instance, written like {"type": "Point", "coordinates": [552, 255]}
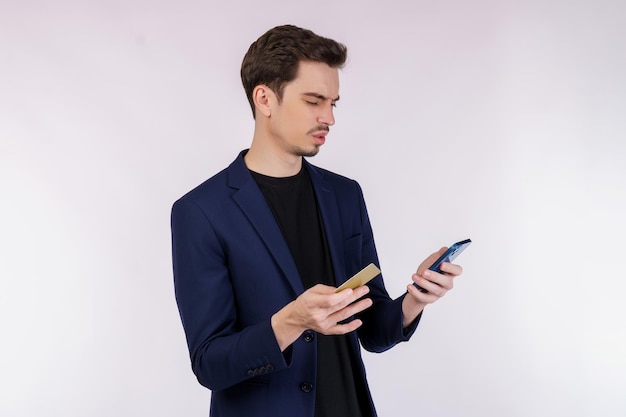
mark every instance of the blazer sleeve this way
{"type": "Point", "coordinates": [221, 354]}
{"type": "Point", "coordinates": [382, 323]}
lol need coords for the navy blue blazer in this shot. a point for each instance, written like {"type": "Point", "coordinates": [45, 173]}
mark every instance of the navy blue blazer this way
{"type": "Point", "coordinates": [233, 271]}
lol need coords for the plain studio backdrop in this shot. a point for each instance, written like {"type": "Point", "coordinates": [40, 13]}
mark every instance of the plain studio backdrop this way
{"type": "Point", "coordinates": [501, 121]}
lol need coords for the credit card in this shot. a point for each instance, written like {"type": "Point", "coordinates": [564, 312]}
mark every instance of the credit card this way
{"type": "Point", "coordinates": [362, 277]}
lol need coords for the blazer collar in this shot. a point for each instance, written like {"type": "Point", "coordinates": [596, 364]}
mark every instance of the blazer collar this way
{"type": "Point", "coordinates": [250, 199]}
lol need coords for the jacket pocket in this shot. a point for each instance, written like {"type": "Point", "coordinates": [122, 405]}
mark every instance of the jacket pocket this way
{"type": "Point", "coordinates": [352, 251]}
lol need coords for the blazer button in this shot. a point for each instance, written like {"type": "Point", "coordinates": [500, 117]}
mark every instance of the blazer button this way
{"type": "Point", "coordinates": [308, 336]}
{"type": "Point", "coordinates": [306, 387]}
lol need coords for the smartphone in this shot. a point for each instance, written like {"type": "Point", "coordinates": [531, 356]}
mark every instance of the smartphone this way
{"type": "Point", "coordinates": [448, 256]}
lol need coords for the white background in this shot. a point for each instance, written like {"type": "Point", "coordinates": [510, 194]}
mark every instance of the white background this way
{"type": "Point", "coordinates": [503, 121]}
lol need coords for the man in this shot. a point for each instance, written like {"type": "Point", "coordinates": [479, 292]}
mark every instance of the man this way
{"type": "Point", "coordinates": [259, 249]}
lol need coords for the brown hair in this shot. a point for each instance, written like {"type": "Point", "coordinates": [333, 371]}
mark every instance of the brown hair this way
{"type": "Point", "coordinates": [273, 59]}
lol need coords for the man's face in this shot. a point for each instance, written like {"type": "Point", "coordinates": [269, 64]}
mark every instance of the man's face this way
{"type": "Point", "coordinates": [300, 122]}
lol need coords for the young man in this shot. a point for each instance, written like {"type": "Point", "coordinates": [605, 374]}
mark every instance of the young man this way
{"type": "Point", "coordinates": [259, 249]}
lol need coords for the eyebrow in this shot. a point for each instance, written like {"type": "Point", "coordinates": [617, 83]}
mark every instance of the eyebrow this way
{"type": "Point", "coordinates": [321, 97]}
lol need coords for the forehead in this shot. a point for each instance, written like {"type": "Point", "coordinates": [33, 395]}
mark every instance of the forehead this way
{"type": "Point", "coordinates": [315, 77]}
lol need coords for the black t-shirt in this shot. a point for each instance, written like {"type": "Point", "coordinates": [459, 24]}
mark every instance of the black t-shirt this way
{"type": "Point", "coordinates": [340, 391]}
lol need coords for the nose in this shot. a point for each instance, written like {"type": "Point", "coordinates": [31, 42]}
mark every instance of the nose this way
{"type": "Point", "coordinates": [326, 116]}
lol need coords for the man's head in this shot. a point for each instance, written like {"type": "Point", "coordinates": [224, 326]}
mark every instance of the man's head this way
{"type": "Point", "coordinates": [273, 59]}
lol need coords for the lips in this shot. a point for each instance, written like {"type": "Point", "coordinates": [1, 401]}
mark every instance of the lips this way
{"type": "Point", "coordinates": [320, 137]}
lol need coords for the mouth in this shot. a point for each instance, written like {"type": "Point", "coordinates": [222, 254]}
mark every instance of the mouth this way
{"type": "Point", "coordinates": [319, 136]}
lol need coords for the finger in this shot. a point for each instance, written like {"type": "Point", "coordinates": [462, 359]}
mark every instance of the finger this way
{"type": "Point", "coordinates": [422, 297]}
{"type": "Point", "coordinates": [322, 312]}
{"type": "Point", "coordinates": [339, 317]}
{"type": "Point", "coordinates": [337, 320]}
{"type": "Point", "coordinates": [321, 289]}
{"type": "Point", "coordinates": [349, 296]}
{"type": "Point", "coordinates": [323, 296]}
{"type": "Point", "coordinates": [344, 328]}
{"type": "Point", "coordinates": [430, 283]}
{"type": "Point", "coordinates": [426, 263]}
{"type": "Point", "coordinates": [351, 310]}
{"type": "Point", "coordinates": [451, 269]}
{"type": "Point", "coordinates": [442, 280]}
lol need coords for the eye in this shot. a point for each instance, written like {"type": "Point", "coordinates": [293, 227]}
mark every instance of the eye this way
{"type": "Point", "coordinates": [312, 103]}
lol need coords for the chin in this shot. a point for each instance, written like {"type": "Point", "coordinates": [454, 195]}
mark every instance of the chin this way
{"type": "Point", "coordinates": [307, 151]}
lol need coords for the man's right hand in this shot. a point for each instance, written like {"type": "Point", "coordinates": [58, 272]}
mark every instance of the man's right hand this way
{"type": "Point", "coordinates": [320, 309]}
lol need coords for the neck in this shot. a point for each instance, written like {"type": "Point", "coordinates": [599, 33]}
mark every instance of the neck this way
{"type": "Point", "coordinates": [268, 161]}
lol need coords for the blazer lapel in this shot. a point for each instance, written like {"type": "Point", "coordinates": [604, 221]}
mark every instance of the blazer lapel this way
{"type": "Point", "coordinates": [252, 202]}
{"type": "Point", "coordinates": [327, 200]}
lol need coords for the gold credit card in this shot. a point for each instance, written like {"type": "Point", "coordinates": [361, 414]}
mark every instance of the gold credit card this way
{"type": "Point", "coordinates": [362, 277]}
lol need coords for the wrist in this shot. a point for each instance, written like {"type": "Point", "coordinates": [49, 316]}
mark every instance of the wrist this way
{"type": "Point", "coordinates": [285, 329]}
{"type": "Point", "coordinates": [411, 308]}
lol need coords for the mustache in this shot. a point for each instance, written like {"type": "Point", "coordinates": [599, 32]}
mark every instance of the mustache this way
{"type": "Point", "coordinates": [320, 128]}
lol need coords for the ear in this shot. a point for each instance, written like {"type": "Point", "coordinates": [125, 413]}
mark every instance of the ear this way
{"type": "Point", "coordinates": [263, 98]}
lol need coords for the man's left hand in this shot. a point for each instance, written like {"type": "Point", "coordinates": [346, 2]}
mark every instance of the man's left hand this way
{"type": "Point", "coordinates": [436, 284]}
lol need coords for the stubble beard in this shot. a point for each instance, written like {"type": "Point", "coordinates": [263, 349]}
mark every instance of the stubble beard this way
{"type": "Point", "coordinates": [306, 152]}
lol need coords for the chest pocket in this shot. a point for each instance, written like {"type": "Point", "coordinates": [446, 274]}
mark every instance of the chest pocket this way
{"type": "Point", "coordinates": [352, 250]}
